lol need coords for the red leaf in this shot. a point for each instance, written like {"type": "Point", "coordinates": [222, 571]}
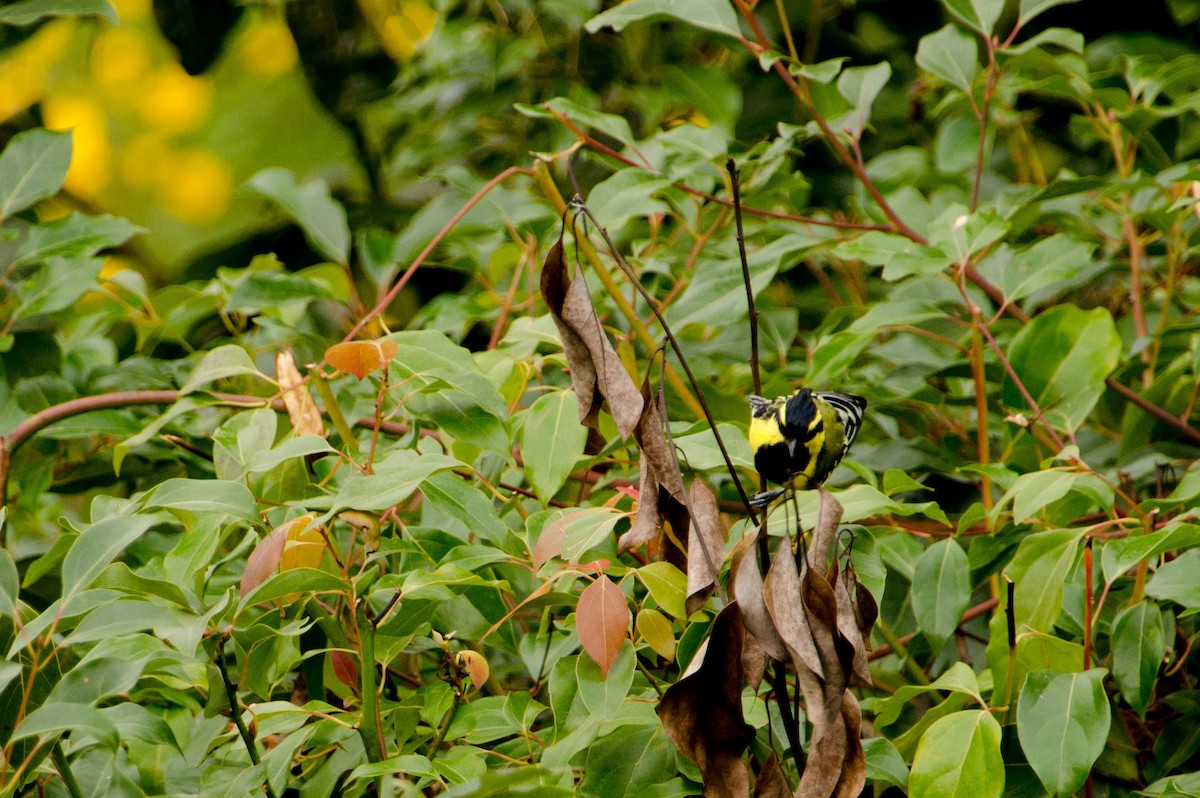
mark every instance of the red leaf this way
{"type": "Point", "coordinates": [602, 620]}
{"type": "Point", "coordinates": [360, 358]}
{"type": "Point", "coordinates": [344, 668]}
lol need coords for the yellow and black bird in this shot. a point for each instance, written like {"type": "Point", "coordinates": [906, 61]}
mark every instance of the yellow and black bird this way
{"type": "Point", "coordinates": [798, 440]}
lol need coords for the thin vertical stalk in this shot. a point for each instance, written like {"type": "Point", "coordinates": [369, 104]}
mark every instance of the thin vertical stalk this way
{"type": "Point", "coordinates": [735, 183]}
{"type": "Point", "coordinates": [369, 727]}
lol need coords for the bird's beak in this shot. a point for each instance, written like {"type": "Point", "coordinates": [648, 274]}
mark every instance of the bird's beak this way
{"type": "Point", "coordinates": [791, 444]}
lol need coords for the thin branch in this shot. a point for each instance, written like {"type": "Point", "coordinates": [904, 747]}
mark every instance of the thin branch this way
{"type": "Point", "coordinates": [235, 711]}
{"type": "Point", "coordinates": [896, 223]}
{"type": "Point", "coordinates": [695, 192]}
{"type": "Point", "coordinates": [735, 183]}
{"type": "Point", "coordinates": [388, 297]}
{"type": "Point", "coordinates": [699, 393]}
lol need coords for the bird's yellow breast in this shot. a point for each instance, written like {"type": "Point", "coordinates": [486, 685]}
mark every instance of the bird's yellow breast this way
{"type": "Point", "coordinates": [764, 432]}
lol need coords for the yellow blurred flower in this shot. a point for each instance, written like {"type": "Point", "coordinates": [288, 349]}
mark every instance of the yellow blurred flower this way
{"type": "Point", "coordinates": [402, 26]}
{"type": "Point", "coordinates": [174, 101]}
{"type": "Point", "coordinates": [89, 170]}
{"type": "Point", "coordinates": [131, 9]}
{"type": "Point", "coordinates": [119, 58]}
{"type": "Point", "coordinates": [267, 48]}
{"type": "Point", "coordinates": [144, 159]}
{"type": "Point", "coordinates": [24, 70]}
{"type": "Point", "coordinates": [195, 186]}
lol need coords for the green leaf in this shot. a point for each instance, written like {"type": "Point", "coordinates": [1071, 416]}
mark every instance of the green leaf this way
{"type": "Point", "coordinates": [1062, 723]}
{"type": "Point", "coordinates": [1031, 8]}
{"type": "Point", "coordinates": [941, 589]}
{"type": "Point", "coordinates": [32, 167]}
{"type": "Point", "coordinates": [302, 581]}
{"type": "Point", "coordinates": [951, 55]}
{"type": "Point", "coordinates": [1039, 568]}
{"type": "Point", "coordinates": [1032, 492]}
{"type": "Point", "coordinates": [714, 15]}
{"type": "Point", "coordinates": [627, 762]}
{"type": "Point", "coordinates": [395, 479]}
{"type": "Point", "coordinates": [1137, 648]}
{"type": "Point", "coordinates": [611, 125]}
{"type": "Point", "coordinates": [959, 678]}
{"type": "Point", "coordinates": [667, 584]}
{"type": "Point", "coordinates": [322, 218]}
{"type": "Point", "coordinates": [301, 446]}
{"type": "Point", "coordinates": [1122, 554]}
{"type": "Point", "coordinates": [979, 15]}
{"type": "Point", "coordinates": [1049, 261]}
{"type": "Point", "coordinates": [74, 236]}
{"type": "Point", "coordinates": [26, 12]}
{"type": "Point", "coordinates": [1062, 356]}
{"type": "Point", "coordinates": [959, 757]}
{"type": "Point", "coordinates": [821, 72]}
{"type": "Point", "coordinates": [552, 441]}
{"type": "Point", "coordinates": [204, 496]}
{"type": "Point", "coordinates": [860, 86]}
{"type": "Point", "coordinates": [1177, 581]}
{"type": "Point", "coordinates": [225, 361]}
{"type": "Point", "coordinates": [96, 547]}
{"type": "Point", "coordinates": [51, 720]}
{"type": "Point", "coordinates": [884, 763]}
{"type": "Point", "coordinates": [10, 581]}
{"type": "Point", "coordinates": [461, 500]}
{"type": "Point", "coordinates": [628, 194]}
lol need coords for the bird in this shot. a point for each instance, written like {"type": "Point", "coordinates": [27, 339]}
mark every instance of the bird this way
{"type": "Point", "coordinates": [799, 440]}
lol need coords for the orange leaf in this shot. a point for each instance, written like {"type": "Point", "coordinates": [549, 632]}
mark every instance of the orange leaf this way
{"type": "Point", "coordinates": [304, 546]}
{"type": "Point", "coordinates": [549, 544]}
{"type": "Point", "coordinates": [602, 620]}
{"type": "Point", "coordinates": [475, 665]}
{"type": "Point", "coordinates": [344, 668]}
{"type": "Point", "coordinates": [360, 358]}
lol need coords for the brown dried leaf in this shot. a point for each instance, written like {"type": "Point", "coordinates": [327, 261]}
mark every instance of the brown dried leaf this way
{"type": "Point", "coordinates": [754, 661]}
{"type": "Point", "coordinates": [848, 628]}
{"type": "Point", "coordinates": [706, 545]}
{"type": "Point", "coordinates": [702, 712]}
{"type": "Point", "coordinates": [866, 610]}
{"type": "Point", "coordinates": [825, 532]}
{"type": "Point", "coordinates": [360, 358]}
{"type": "Point", "coordinates": [772, 781]}
{"type": "Point", "coordinates": [602, 620]}
{"type": "Point", "coordinates": [650, 434]}
{"type": "Point", "coordinates": [301, 409]}
{"type": "Point", "coordinates": [746, 588]}
{"type": "Point", "coordinates": [854, 763]}
{"type": "Point", "coordinates": [781, 593]}
{"type": "Point", "coordinates": [829, 746]}
{"type": "Point", "coordinates": [596, 372]}
{"type": "Point", "coordinates": [344, 668]}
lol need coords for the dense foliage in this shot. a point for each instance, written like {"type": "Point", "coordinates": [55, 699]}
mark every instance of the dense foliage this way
{"type": "Point", "coordinates": [318, 478]}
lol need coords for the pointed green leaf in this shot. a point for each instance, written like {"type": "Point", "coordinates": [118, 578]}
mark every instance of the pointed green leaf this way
{"type": "Point", "coordinates": [465, 502]}
{"type": "Point", "coordinates": [1031, 8]}
{"type": "Point", "coordinates": [96, 547]}
{"type": "Point", "coordinates": [225, 361]}
{"type": "Point", "coordinates": [714, 15]}
{"type": "Point", "coordinates": [552, 441]}
{"type": "Point", "coordinates": [1062, 356]}
{"type": "Point", "coordinates": [1178, 580]}
{"type": "Point", "coordinates": [951, 55]}
{"type": "Point", "coordinates": [979, 15]}
{"type": "Point", "coordinates": [1062, 723]}
{"type": "Point", "coordinates": [959, 757]}
{"type": "Point", "coordinates": [1138, 647]}
{"type": "Point", "coordinates": [1039, 569]}
{"type": "Point", "coordinates": [941, 589]}
{"type": "Point", "coordinates": [322, 218]}
{"type": "Point", "coordinates": [32, 167]}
